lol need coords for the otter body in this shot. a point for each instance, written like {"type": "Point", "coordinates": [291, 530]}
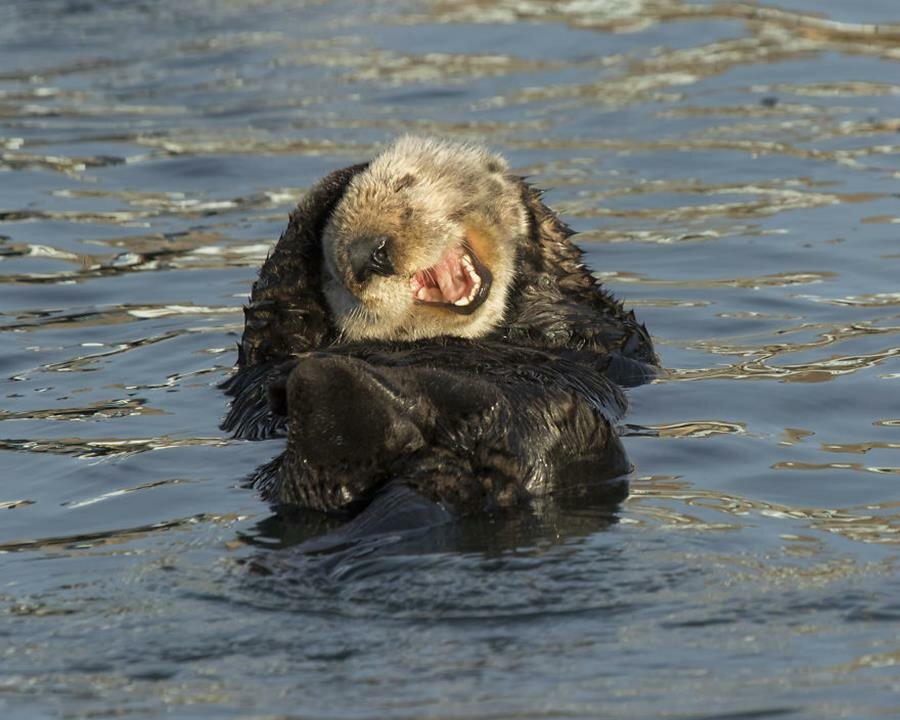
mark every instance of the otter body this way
{"type": "Point", "coordinates": [426, 320]}
{"type": "Point", "coordinates": [471, 424]}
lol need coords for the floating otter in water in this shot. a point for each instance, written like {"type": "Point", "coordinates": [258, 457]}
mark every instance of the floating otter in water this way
{"type": "Point", "coordinates": [425, 321]}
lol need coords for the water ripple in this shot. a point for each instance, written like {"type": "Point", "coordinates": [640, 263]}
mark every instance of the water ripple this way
{"type": "Point", "coordinates": [731, 170]}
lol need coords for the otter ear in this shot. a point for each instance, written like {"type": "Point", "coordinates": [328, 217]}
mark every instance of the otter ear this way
{"type": "Point", "coordinates": [287, 313]}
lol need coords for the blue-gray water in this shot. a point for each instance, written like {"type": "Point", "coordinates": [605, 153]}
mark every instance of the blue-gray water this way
{"type": "Point", "coordinates": [734, 172]}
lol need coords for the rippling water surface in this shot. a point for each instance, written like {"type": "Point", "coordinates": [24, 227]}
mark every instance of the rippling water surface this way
{"type": "Point", "coordinates": [733, 170]}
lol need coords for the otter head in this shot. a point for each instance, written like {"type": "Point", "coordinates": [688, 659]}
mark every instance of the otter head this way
{"type": "Point", "coordinates": [423, 243]}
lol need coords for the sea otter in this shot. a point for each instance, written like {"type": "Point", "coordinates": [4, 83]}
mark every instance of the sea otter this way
{"type": "Point", "coordinates": [425, 321]}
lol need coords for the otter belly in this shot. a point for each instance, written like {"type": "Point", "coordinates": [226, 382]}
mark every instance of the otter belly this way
{"type": "Point", "coordinates": [470, 426]}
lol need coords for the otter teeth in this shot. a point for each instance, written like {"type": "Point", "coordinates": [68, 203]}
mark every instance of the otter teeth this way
{"type": "Point", "coordinates": [476, 279]}
{"type": "Point", "coordinates": [428, 294]}
{"type": "Point", "coordinates": [453, 280]}
{"type": "Point", "coordinates": [476, 286]}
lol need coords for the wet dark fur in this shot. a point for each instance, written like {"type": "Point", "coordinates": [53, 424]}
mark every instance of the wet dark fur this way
{"type": "Point", "coordinates": [474, 424]}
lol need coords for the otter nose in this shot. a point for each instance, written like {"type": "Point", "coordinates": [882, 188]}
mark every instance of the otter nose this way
{"type": "Point", "coordinates": [370, 255]}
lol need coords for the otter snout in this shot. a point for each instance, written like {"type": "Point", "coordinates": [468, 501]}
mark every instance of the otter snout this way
{"type": "Point", "coordinates": [370, 256]}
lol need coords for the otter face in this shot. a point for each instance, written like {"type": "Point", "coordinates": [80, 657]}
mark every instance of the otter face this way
{"type": "Point", "coordinates": [423, 243]}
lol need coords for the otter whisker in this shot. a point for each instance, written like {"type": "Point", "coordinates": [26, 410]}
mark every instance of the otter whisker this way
{"type": "Point", "coordinates": [351, 320]}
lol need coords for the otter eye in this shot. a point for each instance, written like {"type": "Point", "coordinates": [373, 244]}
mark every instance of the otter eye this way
{"type": "Point", "coordinates": [369, 256]}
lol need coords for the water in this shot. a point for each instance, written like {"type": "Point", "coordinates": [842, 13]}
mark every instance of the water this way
{"type": "Point", "coordinates": [733, 171]}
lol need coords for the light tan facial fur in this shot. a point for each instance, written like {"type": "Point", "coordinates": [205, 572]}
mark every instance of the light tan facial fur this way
{"type": "Point", "coordinates": [424, 196]}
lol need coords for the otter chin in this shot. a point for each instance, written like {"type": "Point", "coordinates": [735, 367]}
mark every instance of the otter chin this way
{"type": "Point", "coordinates": [423, 243]}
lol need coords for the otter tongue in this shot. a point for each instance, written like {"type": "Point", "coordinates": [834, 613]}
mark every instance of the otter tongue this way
{"type": "Point", "coordinates": [451, 278]}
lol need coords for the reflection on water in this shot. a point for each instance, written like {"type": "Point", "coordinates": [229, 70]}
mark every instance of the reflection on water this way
{"type": "Point", "coordinates": [732, 170]}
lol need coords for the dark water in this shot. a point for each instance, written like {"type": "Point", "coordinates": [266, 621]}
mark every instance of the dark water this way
{"type": "Point", "coordinates": [734, 171]}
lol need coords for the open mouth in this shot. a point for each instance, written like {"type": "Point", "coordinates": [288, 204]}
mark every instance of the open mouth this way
{"type": "Point", "coordinates": [458, 282]}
